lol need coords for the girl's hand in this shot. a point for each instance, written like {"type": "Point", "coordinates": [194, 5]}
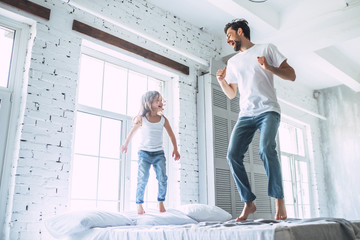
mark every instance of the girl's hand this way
{"type": "Point", "coordinates": [176, 155]}
{"type": "Point", "coordinates": [123, 149]}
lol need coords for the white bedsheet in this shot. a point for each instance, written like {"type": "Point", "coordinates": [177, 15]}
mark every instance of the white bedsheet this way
{"type": "Point", "coordinates": [310, 229]}
{"type": "Point", "coordinates": [210, 231]}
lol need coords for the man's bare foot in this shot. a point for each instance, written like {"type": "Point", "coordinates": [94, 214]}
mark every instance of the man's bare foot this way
{"type": "Point", "coordinates": [140, 209]}
{"type": "Point", "coordinates": [249, 208]}
{"type": "Point", "coordinates": [280, 209]}
{"type": "Point", "coordinates": [162, 207]}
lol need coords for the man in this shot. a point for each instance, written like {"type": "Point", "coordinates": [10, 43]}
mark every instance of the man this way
{"type": "Point", "coordinates": [251, 71]}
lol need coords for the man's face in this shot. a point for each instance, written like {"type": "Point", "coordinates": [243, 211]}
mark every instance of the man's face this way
{"type": "Point", "coordinates": [233, 39]}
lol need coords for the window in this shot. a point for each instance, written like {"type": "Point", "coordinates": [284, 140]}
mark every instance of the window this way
{"type": "Point", "coordinates": [295, 169]}
{"type": "Point", "coordinates": [14, 40]}
{"type": "Point", "coordinates": [7, 37]}
{"type": "Point", "coordinates": [7, 41]}
{"type": "Point", "coordinates": [108, 98]}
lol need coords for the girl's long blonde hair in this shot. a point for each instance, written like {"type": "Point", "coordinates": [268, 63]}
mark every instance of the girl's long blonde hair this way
{"type": "Point", "coordinates": [146, 101]}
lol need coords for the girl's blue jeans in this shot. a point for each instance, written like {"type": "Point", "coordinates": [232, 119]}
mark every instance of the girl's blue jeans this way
{"type": "Point", "coordinates": [158, 160]}
{"type": "Point", "coordinates": [241, 137]}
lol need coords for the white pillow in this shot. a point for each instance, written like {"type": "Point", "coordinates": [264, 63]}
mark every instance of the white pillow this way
{"type": "Point", "coordinates": [170, 217]}
{"type": "Point", "coordinates": [203, 212]}
{"type": "Point", "coordinates": [74, 222]}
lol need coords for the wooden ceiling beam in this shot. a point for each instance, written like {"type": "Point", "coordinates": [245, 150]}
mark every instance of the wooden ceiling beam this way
{"type": "Point", "coordinates": [29, 7]}
{"type": "Point", "coordinates": [130, 47]}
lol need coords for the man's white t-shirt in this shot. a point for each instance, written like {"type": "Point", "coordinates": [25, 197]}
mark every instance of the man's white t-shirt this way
{"type": "Point", "coordinates": [256, 85]}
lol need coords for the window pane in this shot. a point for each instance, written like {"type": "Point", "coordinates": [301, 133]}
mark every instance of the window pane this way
{"type": "Point", "coordinates": [299, 194]}
{"type": "Point", "coordinates": [306, 211]}
{"type": "Point", "coordinates": [90, 81]}
{"type": "Point", "coordinates": [84, 178]}
{"type": "Point", "coordinates": [285, 168]}
{"type": "Point", "coordinates": [87, 134]}
{"type": "Point", "coordinates": [6, 43]}
{"type": "Point", "coordinates": [302, 172]}
{"type": "Point", "coordinates": [110, 138]}
{"type": "Point", "coordinates": [137, 87]}
{"type": "Point", "coordinates": [152, 187]}
{"type": "Point", "coordinates": [109, 171]}
{"type": "Point", "coordinates": [305, 193]}
{"type": "Point", "coordinates": [83, 205]}
{"type": "Point", "coordinates": [151, 204]}
{"type": "Point", "coordinates": [302, 176]}
{"type": "Point", "coordinates": [300, 142]}
{"type": "Point", "coordinates": [288, 192]}
{"type": "Point", "coordinates": [155, 85]}
{"type": "Point", "coordinates": [135, 143]}
{"type": "Point", "coordinates": [290, 211]}
{"type": "Point", "coordinates": [108, 206]}
{"type": "Point", "coordinates": [115, 88]}
{"type": "Point", "coordinates": [287, 138]}
{"type": "Point", "coordinates": [133, 181]}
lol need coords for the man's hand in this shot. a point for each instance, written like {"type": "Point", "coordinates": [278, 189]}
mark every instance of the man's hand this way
{"type": "Point", "coordinates": [220, 75]}
{"type": "Point", "coordinates": [263, 63]}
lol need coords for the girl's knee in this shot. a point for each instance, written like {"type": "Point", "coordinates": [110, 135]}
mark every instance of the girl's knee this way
{"type": "Point", "coordinates": [162, 179]}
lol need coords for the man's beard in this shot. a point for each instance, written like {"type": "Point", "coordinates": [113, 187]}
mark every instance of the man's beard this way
{"type": "Point", "coordinates": [237, 46]}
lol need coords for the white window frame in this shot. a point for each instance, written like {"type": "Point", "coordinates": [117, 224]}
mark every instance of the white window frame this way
{"type": "Point", "coordinates": [297, 158]}
{"type": "Point", "coordinates": [112, 57]}
{"type": "Point", "coordinates": [17, 82]}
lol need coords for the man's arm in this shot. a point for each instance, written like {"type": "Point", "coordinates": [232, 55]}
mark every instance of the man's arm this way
{"type": "Point", "coordinates": [284, 71]}
{"type": "Point", "coordinates": [230, 90]}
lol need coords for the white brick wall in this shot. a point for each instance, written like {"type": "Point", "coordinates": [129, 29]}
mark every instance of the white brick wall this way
{"type": "Point", "coordinates": [43, 168]}
{"type": "Point", "coordinates": [41, 181]}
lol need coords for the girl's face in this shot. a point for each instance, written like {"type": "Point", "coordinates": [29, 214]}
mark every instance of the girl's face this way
{"type": "Point", "coordinates": [157, 105]}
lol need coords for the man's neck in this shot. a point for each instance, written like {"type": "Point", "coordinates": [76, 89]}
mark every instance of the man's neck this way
{"type": "Point", "coordinates": [245, 45]}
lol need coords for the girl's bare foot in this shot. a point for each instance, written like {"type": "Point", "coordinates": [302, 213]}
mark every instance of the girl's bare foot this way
{"type": "Point", "coordinates": [162, 207]}
{"type": "Point", "coordinates": [140, 209]}
{"type": "Point", "coordinates": [280, 209]}
{"type": "Point", "coordinates": [249, 208]}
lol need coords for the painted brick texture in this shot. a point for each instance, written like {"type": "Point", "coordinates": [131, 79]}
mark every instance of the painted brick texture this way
{"type": "Point", "coordinates": [43, 169]}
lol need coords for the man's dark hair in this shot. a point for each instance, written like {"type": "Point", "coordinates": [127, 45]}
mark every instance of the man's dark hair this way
{"type": "Point", "coordinates": [239, 23]}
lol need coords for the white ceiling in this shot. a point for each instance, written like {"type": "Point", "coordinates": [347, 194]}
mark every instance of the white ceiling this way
{"type": "Point", "coordinates": [320, 38]}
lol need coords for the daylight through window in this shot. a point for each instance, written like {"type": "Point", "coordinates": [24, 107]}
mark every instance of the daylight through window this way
{"type": "Point", "coordinates": [108, 98]}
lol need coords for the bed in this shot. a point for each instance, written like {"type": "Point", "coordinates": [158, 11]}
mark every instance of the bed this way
{"type": "Point", "coordinates": [194, 222]}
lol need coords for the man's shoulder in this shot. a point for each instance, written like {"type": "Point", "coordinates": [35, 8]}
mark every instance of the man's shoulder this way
{"type": "Point", "coordinates": [265, 45]}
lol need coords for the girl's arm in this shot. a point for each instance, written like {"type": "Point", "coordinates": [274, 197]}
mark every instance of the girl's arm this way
{"type": "Point", "coordinates": [175, 153]}
{"type": "Point", "coordinates": [137, 125]}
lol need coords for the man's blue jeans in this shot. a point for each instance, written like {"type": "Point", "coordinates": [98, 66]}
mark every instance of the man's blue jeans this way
{"type": "Point", "coordinates": [241, 137]}
{"type": "Point", "coordinates": [158, 160]}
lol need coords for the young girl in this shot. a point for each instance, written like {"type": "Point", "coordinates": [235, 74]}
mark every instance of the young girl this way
{"type": "Point", "coordinates": [151, 121]}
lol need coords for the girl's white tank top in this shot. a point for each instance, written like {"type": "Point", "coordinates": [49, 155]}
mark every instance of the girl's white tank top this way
{"type": "Point", "coordinates": [152, 135]}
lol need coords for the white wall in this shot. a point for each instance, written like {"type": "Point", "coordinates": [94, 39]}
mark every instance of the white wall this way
{"type": "Point", "coordinates": [341, 152]}
{"type": "Point", "coordinates": [42, 169]}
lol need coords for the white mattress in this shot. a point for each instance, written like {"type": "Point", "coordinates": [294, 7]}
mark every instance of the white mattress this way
{"type": "Point", "coordinates": [316, 229]}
